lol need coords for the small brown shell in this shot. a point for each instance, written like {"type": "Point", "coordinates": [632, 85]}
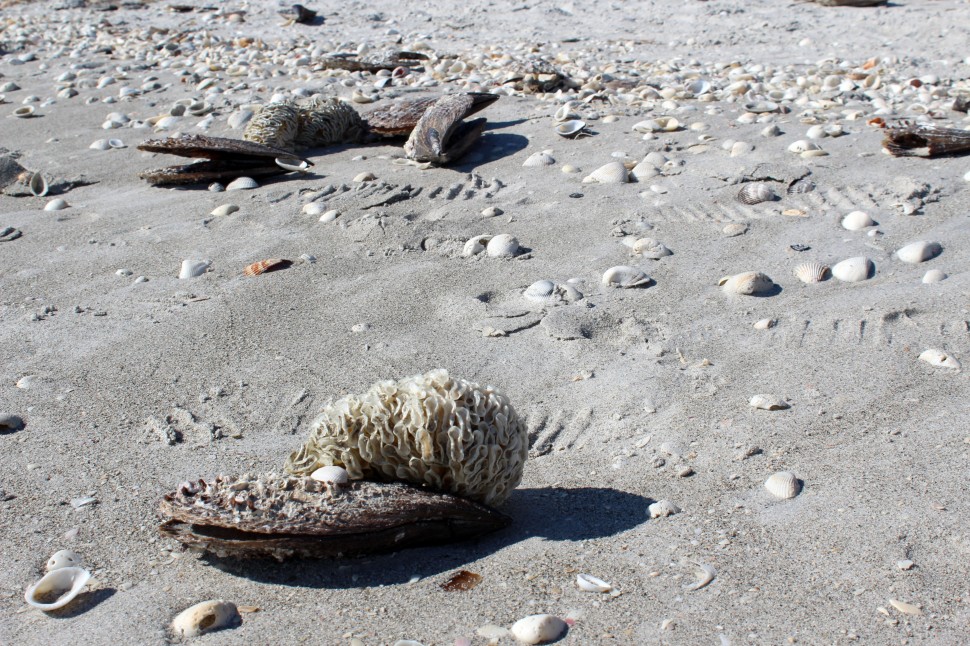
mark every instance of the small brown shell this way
{"type": "Point", "coordinates": [263, 266]}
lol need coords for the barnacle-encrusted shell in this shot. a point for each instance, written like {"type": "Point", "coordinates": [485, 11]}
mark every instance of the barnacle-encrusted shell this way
{"type": "Point", "coordinates": [748, 283]}
{"type": "Point", "coordinates": [662, 509]}
{"type": "Point", "coordinates": [783, 485]}
{"type": "Point", "coordinates": [755, 193]}
{"type": "Point", "coordinates": [327, 121]}
{"type": "Point", "coordinates": [451, 434]}
{"type": "Point", "coordinates": [205, 617]}
{"type": "Point", "coordinates": [811, 272]}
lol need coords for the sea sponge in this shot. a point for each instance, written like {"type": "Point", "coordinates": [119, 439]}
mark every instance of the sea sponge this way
{"type": "Point", "coordinates": [450, 434]}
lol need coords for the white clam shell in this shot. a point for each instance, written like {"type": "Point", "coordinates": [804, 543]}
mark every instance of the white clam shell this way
{"type": "Point", "coordinates": [765, 324]}
{"type": "Point", "coordinates": [934, 276]}
{"type": "Point", "coordinates": [612, 173]}
{"type": "Point", "coordinates": [365, 176]}
{"type": "Point", "coordinates": [540, 291]}
{"type": "Point", "coordinates": [205, 617]}
{"type": "Point", "coordinates": [193, 268]}
{"type": "Point", "coordinates": [314, 208]}
{"type": "Point", "coordinates": [224, 209]}
{"type": "Point", "coordinates": [538, 629]}
{"type": "Point", "coordinates": [650, 248]}
{"type": "Point", "coordinates": [331, 475]}
{"type": "Point", "coordinates": [242, 184]}
{"type": "Point", "coordinates": [57, 588]}
{"type": "Point", "coordinates": [733, 229]}
{"type": "Point", "coordinates": [811, 272]}
{"type": "Point", "coordinates": [590, 583]}
{"type": "Point", "coordinates": [857, 220]}
{"type": "Point", "coordinates": [747, 283]}
{"type": "Point", "coordinates": [756, 193]}
{"type": "Point", "coordinates": [768, 402]}
{"type": "Point", "coordinates": [783, 485]}
{"type": "Point", "coordinates": [57, 204]}
{"type": "Point", "coordinates": [61, 559]}
{"type": "Point", "coordinates": [475, 245]}
{"type": "Point", "coordinates": [566, 112]}
{"type": "Point", "coordinates": [853, 270]}
{"type": "Point", "coordinates": [539, 159]}
{"type": "Point", "coordinates": [100, 144]}
{"type": "Point", "coordinates": [329, 216]}
{"type": "Point", "coordinates": [570, 128]}
{"type": "Point", "coordinates": [803, 146]}
{"type": "Point", "coordinates": [917, 252]}
{"type": "Point", "coordinates": [24, 111]}
{"type": "Point", "coordinates": [625, 277]}
{"type": "Point", "coordinates": [939, 359]}
{"type": "Point", "coordinates": [116, 143]}
{"type": "Point", "coordinates": [294, 165]}
{"type": "Point", "coordinates": [502, 246]}
{"type": "Point", "coordinates": [662, 509]}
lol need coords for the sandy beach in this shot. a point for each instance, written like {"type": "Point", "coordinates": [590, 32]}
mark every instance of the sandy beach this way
{"type": "Point", "coordinates": [129, 379]}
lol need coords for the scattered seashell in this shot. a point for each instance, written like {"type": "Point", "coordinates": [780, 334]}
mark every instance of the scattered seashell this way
{"type": "Point", "coordinates": [612, 173]}
{"type": "Point", "coordinates": [748, 283]}
{"type": "Point", "coordinates": [853, 270]}
{"type": "Point", "coordinates": [905, 608]}
{"type": "Point", "coordinates": [57, 204]}
{"type": "Point", "coordinates": [84, 501]}
{"type": "Point", "coordinates": [765, 324]}
{"type": "Point", "coordinates": [100, 144]}
{"type": "Point", "coordinates": [540, 291]}
{"type": "Point", "coordinates": [625, 277]}
{"type": "Point", "coordinates": [905, 564]}
{"type": "Point", "coordinates": [294, 165]}
{"type": "Point", "coordinates": [650, 248]}
{"type": "Point", "coordinates": [569, 169]}
{"type": "Point", "coordinates": [768, 402]}
{"type": "Point", "coordinates": [644, 170]}
{"type": "Point", "coordinates": [57, 588]}
{"type": "Point", "coordinates": [538, 629]}
{"type": "Point", "coordinates": [62, 559]}
{"type": "Point", "coordinates": [802, 146]}
{"type": "Point", "coordinates": [811, 272]}
{"type": "Point", "coordinates": [565, 112]}
{"type": "Point", "coordinates": [475, 246]}
{"type": "Point", "coordinates": [857, 220]}
{"type": "Point", "coordinates": [205, 617]}
{"type": "Point", "coordinates": [242, 184]}
{"type": "Point", "coordinates": [539, 159]}
{"type": "Point", "coordinates": [502, 246]}
{"type": "Point", "coordinates": [917, 252]}
{"type": "Point", "coordinates": [194, 268]}
{"type": "Point", "coordinates": [662, 509]}
{"type": "Point", "coordinates": [756, 193]}
{"type": "Point", "coordinates": [366, 176]}
{"type": "Point", "coordinates": [331, 475]}
{"type": "Point", "coordinates": [771, 131]}
{"type": "Point", "coordinates": [314, 208]}
{"type": "Point", "coordinates": [265, 266]}
{"type": "Point", "coordinates": [934, 276]}
{"type": "Point", "coordinates": [491, 212]}
{"type": "Point", "coordinates": [24, 112]}
{"type": "Point", "coordinates": [224, 209]}
{"type": "Point", "coordinates": [38, 185]}
{"type": "Point", "coordinates": [590, 583]}
{"type": "Point", "coordinates": [329, 216]}
{"type": "Point", "coordinates": [734, 229]}
{"type": "Point", "coordinates": [571, 128]}
{"type": "Point", "coordinates": [939, 359]}
{"type": "Point", "coordinates": [783, 485]}
{"type": "Point", "coordinates": [740, 148]}
{"type": "Point", "coordinates": [708, 573]}
{"type": "Point", "coordinates": [116, 144]}
{"type": "Point", "coordinates": [462, 580]}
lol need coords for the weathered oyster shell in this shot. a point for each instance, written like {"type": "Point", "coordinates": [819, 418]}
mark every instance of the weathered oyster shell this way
{"type": "Point", "coordinates": [205, 617]}
{"type": "Point", "coordinates": [441, 136]}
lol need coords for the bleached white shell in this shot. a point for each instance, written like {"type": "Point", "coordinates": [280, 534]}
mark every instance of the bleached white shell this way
{"type": "Point", "coordinates": [811, 272]}
{"type": "Point", "coordinates": [331, 474]}
{"type": "Point", "coordinates": [24, 111]}
{"type": "Point", "coordinates": [116, 143]}
{"type": "Point", "coordinates": [475, 245]}
{"type": "Point", "coordinates": [540, 291]}
{"type": "Point", "coordinates": [570, 128]}
{"type": "Point", "coordinates": [590, 583]}
{"type": "Point", "coordinates": [783, 485]}
{"type": "Point", "coordinates": [650, 248]}
{"type": "Point", "coordinates": [802, 146]}
{"type": "Point", "coordinates": [917, 252]}
{"type": "Point", "coordinates": [56, 205]}
{"type": "Point", "coordinates": [768, 402]}
{"type": "Point", "coordinates": [612, 173]}
{"type": "Point", "coordinates": [934, 276]}
{"type": "Point", "coordinates": [205, 617]}
{"type": "Point", "coordinates": [242, 184]}
{"type": "Point", "coordinates": [853, 270]}
{"type": "Point", "coordinates": [538, 629]}
{"type": "Point", "coordinates": [662, 509]}
{"type": "Point", "coordinates": [288, 164]}
{"type": "Point", "coordinates": [565, 112]}
{"type": "Point", "coordinates": [625, 277]}
{"type": "Point", "coordinates": [857, 220]}
{"type": "Point", "coordinates": [63, 558]}
{"type": "Point", "coordinates": [644, 170]}
{"type": "Point", "coordinates": [660, 124]}
{"type": "Point", "coordinates": [748, 283]}
{"type": "Point", "coordinates": [329, 216]}
{"type": "Point", "coordinates": [37, 185]}
{"type": "Point", "coordinates": [765, 324]}
{"type": "Point", "coordinates": [314, 208]}
{"type": "Point", "coordinates": [939, 359]}
{"type": "Point", "coordinates": [733, 229]}
{"type": "Point", "coordinates": [100, 144]}
{"type": "Point", "coordinates": [536, 160]}
{"type": "Point", "coordinates": [755, 193]}
{"type": "Point", "coordinates": [192, 268]}
{"type": "Point", "coordinates": [502, 246]}
{"type": "Point", "coordinates": [57, 588]}
{"type": "Point", "coordinates": [224, 209]}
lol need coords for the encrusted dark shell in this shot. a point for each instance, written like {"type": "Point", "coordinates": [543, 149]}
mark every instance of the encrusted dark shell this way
{"type": "Point", "coordinates": [440, 136]}
{"type": "Point", "coordinates": [398, 119]}
{"type": "Point", "coordinates": [906, 139]}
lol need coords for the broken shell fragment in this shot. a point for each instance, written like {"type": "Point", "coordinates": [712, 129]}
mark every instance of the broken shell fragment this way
{"type": "Point", "coordinates": [538, 629]}
{"type": "Point", "coordinates": [612, 173]}
{"type": "Point", "coordinates": [62, 559]}
{"type": "Point", "coordinates": [768, 402]}
{"type": "Point", "coordinates": [749, 283]}
{"type": "Point", "coordinates": [783, 485]}
{"type": "Point", "coordinates": [811, 272]}
{"type": "Point", "coordinates": [756, 193]}
{"type": "Point", "coordinates": [662, 509]}
{"type": "Point", "coordinates": [265, 266]}
{"type": "Point", "coordinates": [939, 359]}
{"type": "Point", "coordinates": [708, 573]}
{"type": "Point", "coordinates": [625, 277]}
{"type": "Point", "coordinates": [57, 588]}
{"type": "Point", "coordinates": [194, 268]}
{"type": "Point", "coordinates": [917, 252]}
{"type": "Point", "coordinates": [853, 270]}
{"type": "Point", "coordinates": [205, 617]}
{"type": "Point", "coordinates": [590, 583]}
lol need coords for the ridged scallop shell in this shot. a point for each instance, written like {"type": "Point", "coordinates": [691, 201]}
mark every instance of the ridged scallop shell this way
{"type": "Point", "coordinates": [768, 402]}
{"type": "Point", "coordinates": [917, 252]}
{"type": "Point", "coordinates": [242, 184]}
{"type": "Point", "coordinates": [570, 128]}
{"type": "Point", "coordinates": [540, 291]}
{"type": "Point", "coordinates": [748, 283]}
{"type": "Point", "coordinates": [853, 270]}
{"type": "Point", "coordinates": [625, 277]}
{"type": "Point", "coordinates": [263, 266]}
{"type": "Point", "coordinates": [590, 583]}
{"type": "Point", "coordinates": [662, 509]}
{"type": "Point", "coordinates": [811, 272]}
{"type": "Point", "coordinates": [57, 588]}
{"type": "Point", "coordinates": [783, 485]}
{"type": "Point", "coordinates": [650, 248]}
{"type": "Point", "coordinates": [756, 193]}
{"type": "Point", "coordinates": [644, 170]}
{"type": "Point", "coordinates": [539, 159]}
{"type": "Point", "coordinates": [502, 246]}
{"type": "Point", "coordinates": [612, 173]}
{"type": "Point", "coordinates": [538, 629]}
{"type": "Point", "coordinates": [205, 617]}
{"type": "Point", "coordinates": [857, 220]}
{"type": "Point", "coordinates": [939, 359]}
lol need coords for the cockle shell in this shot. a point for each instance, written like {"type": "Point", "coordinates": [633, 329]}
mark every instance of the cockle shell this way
{"type": "Point", "coordinates": [61, 559]}
{"type": "Point", "coordinates": [939, 359]}
{"type": "Point", "coordinates": [264, 266]}
{"type": "Point", "coordinates": [540, 291]}
{"type": "Point", "coordinates": [768, 402]}
{"type": "Point", "coordinates": [644, 170]}
{"type": "Point", "coordinates": [193, 268]}
{"type": "Point", "coordinates": [917, 252]}
{"type": "Point", "coordinates": [853, 270]}
{"type": "Point", "coordinates": [538, 629]}
{"type": "Point", "coordinates": [57, 588]}
{"type": "Point", "coordinates": [934, 276]}
{"type": "Point", "coordinates": [570, 128]}
{"type": "Point", "coordinates": [539, 159]}
{"type": "Point", "coordinates": [650, 248]}
{"type": "Point", "coordinates": [502, 246]}
{"type": "Point", "coordinates": [857, 220]}
{"type": "Point", "coordinates": [590, 583]}
{"type": "Point", "coordinates": [783, 485]}
{"type": "Point", "coordinates": [450, 434]}
{"type": "Point", "coordinates": [748, 283]}
{"type": "Point", "coordinates": [331, 474]}
{"type": "Point", "coordinates": [662, 509]}
{"type": "Point", "coordinates": [205, 617]}
{"type": "Point", "coordinates": [612, 173]}
{"type": "Point", "coordinates": [811, 272]}
{"type": "Point", "coordinates": [756, 193]}
{"type": "Point", "coordinates": [242, 184]}
{"type": "Point", "coordinates": [625, 277]}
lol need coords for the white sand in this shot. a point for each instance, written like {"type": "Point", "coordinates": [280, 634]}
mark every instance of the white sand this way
{"type": "Point", "coordinates": [93, 360]}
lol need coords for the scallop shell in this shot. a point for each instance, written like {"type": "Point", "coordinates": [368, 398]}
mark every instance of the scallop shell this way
{"type": "Point", "coordinates": [917, 252]}
{"type": "Point", "coordinates": [538, 629]}
{"type": "Point", "coordinates": [662, 509]}
{"type": "Point", "coordinates": [331, 475]}
{"type": "Point", "coordinates": [242, 184]}
{"type": "Point", "coordinates": [570, 128]}
{"type": "Point", "coordinates": [57, 204]}
{"type": "Point", "coordinates": [939, 359]}
{"type": "Point", "coordinates": [57, 588]}
{"type": "Point", "coordinates": [540, 291]}
{"type": "Point", "coordinates": [194, 268]}
{"type": "Point", "coordinates": [857, 220]}
{"type": "Point", "coordinates": [625, 277]}
{"type": "Point", "coordinates": [768, 402]}
{"type": "Point", "coordinates": [539, 159]}
{"type": "Point", "coordinates": [783, 485]}
{"type": "Point", "coordinates": [62, 559]}
{"type": "Point", "coordinates": [205, 617]}
{"type": "Point", "coordinates": [756, 193]}
{"type": "Point", "coordinates": [650, 248]}
{"type": "Point", "coordinates": [502, 246]}
{"type": "Point", "coordinates": [934, 276]}
{"type": "Point", "coordinates": [612, 173]}
{"type": "Point", "coordinates": [590, 583]}
{"type": "Point", "coordinates": [853, 270]}
{"type": "Point", "coordinates": [264, 266]}
{"type": "Point", "coordinates": [811, 272]}
{"type": "Point", "coordinates": [748, 283]}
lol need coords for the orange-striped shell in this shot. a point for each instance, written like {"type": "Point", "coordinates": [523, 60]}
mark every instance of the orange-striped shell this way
{"type": "Point", "coordinates": [264, 266]}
